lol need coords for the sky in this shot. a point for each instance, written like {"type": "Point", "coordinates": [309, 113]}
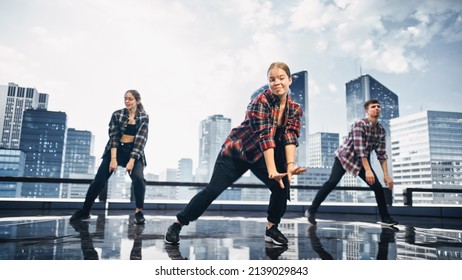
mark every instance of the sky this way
{"type": "Point", "coordinates": [196, 58]}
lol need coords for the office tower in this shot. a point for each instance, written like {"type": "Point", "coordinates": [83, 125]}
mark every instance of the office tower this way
{"type": "Point", "coordinates": [184, 174]}
{"type": "Point", "coordinates": [12, 163]}
{"type": "Point", "coordinates": [322, 146]}
{"type": "Point", "coordinates": [78, 161]}
{"type": "Point", "coordinates": [43, 138]}
{"type": "Point", "coordinates": [213, 132]}
{"type": "Point", "coordinates": [14, 100]}
{"type": "Point", "coordinates": [299, 93]}
{"type": "Point", "coordinates": [358, 91]}
{"type": "Point", "coordinates": [427, 153]}
{"type": "Point", "coordinates": [184, 171]}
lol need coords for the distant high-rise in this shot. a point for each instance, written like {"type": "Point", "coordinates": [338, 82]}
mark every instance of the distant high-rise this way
{"type": "Point", "coordinates": [14, 100]}
{"type": "Point", "coordinates": [78, 161]}
{"type": "Point", "coordinates": [12, 163]}
{"type": "Point", "coordinates": [358, 91]}
{"type": "Point", "coordinates": [213, 132]}
{"type": "Point", "coordinates": [43, 138]}
{"type": "Point", "coordinates": [184, 171]}
{"type": "Point", "coordinates": [427, 153]}
{"type": "Point", "coordinates": [322, 146]}
{"type": "Point", "coordinates": [299, 93]}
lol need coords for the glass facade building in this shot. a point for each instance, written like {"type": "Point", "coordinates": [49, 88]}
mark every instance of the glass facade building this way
{"type": "Point", "coordinates": [78, 161]}
{"type": "Point", "coordinates": [43, 138]}
{"type": "Point", "coordinates": [12, 162]}
{"type": "Point", "coordinates": [427, 153]}
{"type": "Point", "coordinates": [322, 146]}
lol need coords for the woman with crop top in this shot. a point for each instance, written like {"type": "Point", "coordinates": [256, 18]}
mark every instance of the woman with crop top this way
{"type": "Point", "coordinates": [128, 133]}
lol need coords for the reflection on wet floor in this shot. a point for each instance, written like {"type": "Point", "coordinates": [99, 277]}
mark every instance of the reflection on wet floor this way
{"type": "Point", "coordinates": [226, 235]}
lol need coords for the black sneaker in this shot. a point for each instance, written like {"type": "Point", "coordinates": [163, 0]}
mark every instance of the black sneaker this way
{"type": "Point", "coordinates": [80, 215]}
{"type": "Point", "coordinates": [172, 236]}
{"type": "Point", "coordinates": [275, 236]}
{"type": "Point", "coordinates": [388, 221]}
{"type": "Point", "coordinates": [311, 217]}
{"type": "Point", "coordinates": [139, 218]}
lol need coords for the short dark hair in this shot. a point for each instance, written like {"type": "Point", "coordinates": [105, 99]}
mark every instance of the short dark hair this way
{"type": "Point", "coordinates": [369, 102]}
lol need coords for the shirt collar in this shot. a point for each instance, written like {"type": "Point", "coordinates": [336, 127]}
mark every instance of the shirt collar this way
{"type": "Point", "coordinates": [273, 99]}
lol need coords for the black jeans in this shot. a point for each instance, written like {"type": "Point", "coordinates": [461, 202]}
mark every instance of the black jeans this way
{"type": "Point", "coordinates": [335, 177]}
{"type": "Point", "coordinates": [226, 171]}
{"type": "Point", "coordinates": [103, 174]}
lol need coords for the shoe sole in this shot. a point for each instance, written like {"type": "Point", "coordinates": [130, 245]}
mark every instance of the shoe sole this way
{"type": "Point", "coordinates": [271, 240]}
{"type": "Point", "coordinates": [387, 224]}
{"type": "Point", "coordinates": [80, 219]}
{"type": "Point", "coordinates": [171, 243]}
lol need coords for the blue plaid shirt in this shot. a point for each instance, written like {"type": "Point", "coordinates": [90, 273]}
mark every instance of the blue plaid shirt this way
{"type": "Point", "coordinates": [117, 126]}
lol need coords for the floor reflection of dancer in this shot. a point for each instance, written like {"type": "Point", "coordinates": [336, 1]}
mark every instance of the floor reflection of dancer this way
{"type": "Point", "coordinates": [264, 143]}
{"type": "Point", "coordinates": [317, 245]}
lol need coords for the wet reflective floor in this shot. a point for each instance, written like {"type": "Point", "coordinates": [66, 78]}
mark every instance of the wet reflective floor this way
{"type": "Point", "coordinates": [28, 235]}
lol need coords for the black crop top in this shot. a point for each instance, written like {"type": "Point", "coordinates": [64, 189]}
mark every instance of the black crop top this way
{"type": "Point", "coordinates": [130, 129]}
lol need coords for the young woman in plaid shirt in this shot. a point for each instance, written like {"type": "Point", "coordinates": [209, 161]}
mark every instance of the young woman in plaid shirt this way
{"type": "Point", "coordinates": [128, 133]}
{"type": "Point", "coordinates": [265, 143]}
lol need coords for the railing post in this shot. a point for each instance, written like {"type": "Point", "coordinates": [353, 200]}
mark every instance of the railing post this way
{"type": "Point", "coordinates": [407, 197]}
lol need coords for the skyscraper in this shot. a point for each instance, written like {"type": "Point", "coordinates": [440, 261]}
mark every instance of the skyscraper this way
{"type": "Point", "coordinates": [359, 91]}
{"type": "Point", "coordinates": [322, 146]}
{"type": "Point", "coordinates": [299, 93]}
{"type": "Point", "coordinates": [213, 132]}
{"type": "Point", "coordinates": [78, 161]}
{"type": "Point", "coordinates": [43, 138]}
{"type": "Point", "coordinates": [14, 100]}
{"type": "Point", "coordinates": [427, 153]}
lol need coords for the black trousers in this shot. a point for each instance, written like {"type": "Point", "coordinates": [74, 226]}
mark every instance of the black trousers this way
{"type": "Point", "coordinates": [226, 171]}
{"type": "Point", "coordinates": [103, 175]}
{"type": "Point", "coordinates": [335, 177]}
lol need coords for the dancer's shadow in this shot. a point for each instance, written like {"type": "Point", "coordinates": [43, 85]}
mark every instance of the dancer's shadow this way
{"type": "Point", "coordinates": [86, 241]}
{"type": "Point", "coordinates": [317, 245]}
{"type": "Point", "coordinates": [387, 236]}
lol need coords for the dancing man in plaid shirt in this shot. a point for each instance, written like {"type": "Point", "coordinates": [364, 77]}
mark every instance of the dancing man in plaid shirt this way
{"type": "Point", "coordinates": [353, 156]}
{"type": "Point", "coordinates": [265, 143]}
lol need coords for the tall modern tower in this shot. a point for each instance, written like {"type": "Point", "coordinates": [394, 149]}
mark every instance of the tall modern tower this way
{"type": "Point", "coordinates": [359, 91]}
{"type": "Point", "coordinates": [43, 139]}
{"type": "Point", "coordinates": [299, 93]}
{"type": "Point", "coordinates": [427, 153]}
{"type": "Point", "coordinates": [14, 100]}
{"type": "Point", "coordinates": [213, 132]}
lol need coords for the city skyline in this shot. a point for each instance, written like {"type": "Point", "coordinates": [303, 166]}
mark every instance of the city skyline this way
{"type": "Point", "coordinates": [86, 54]}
